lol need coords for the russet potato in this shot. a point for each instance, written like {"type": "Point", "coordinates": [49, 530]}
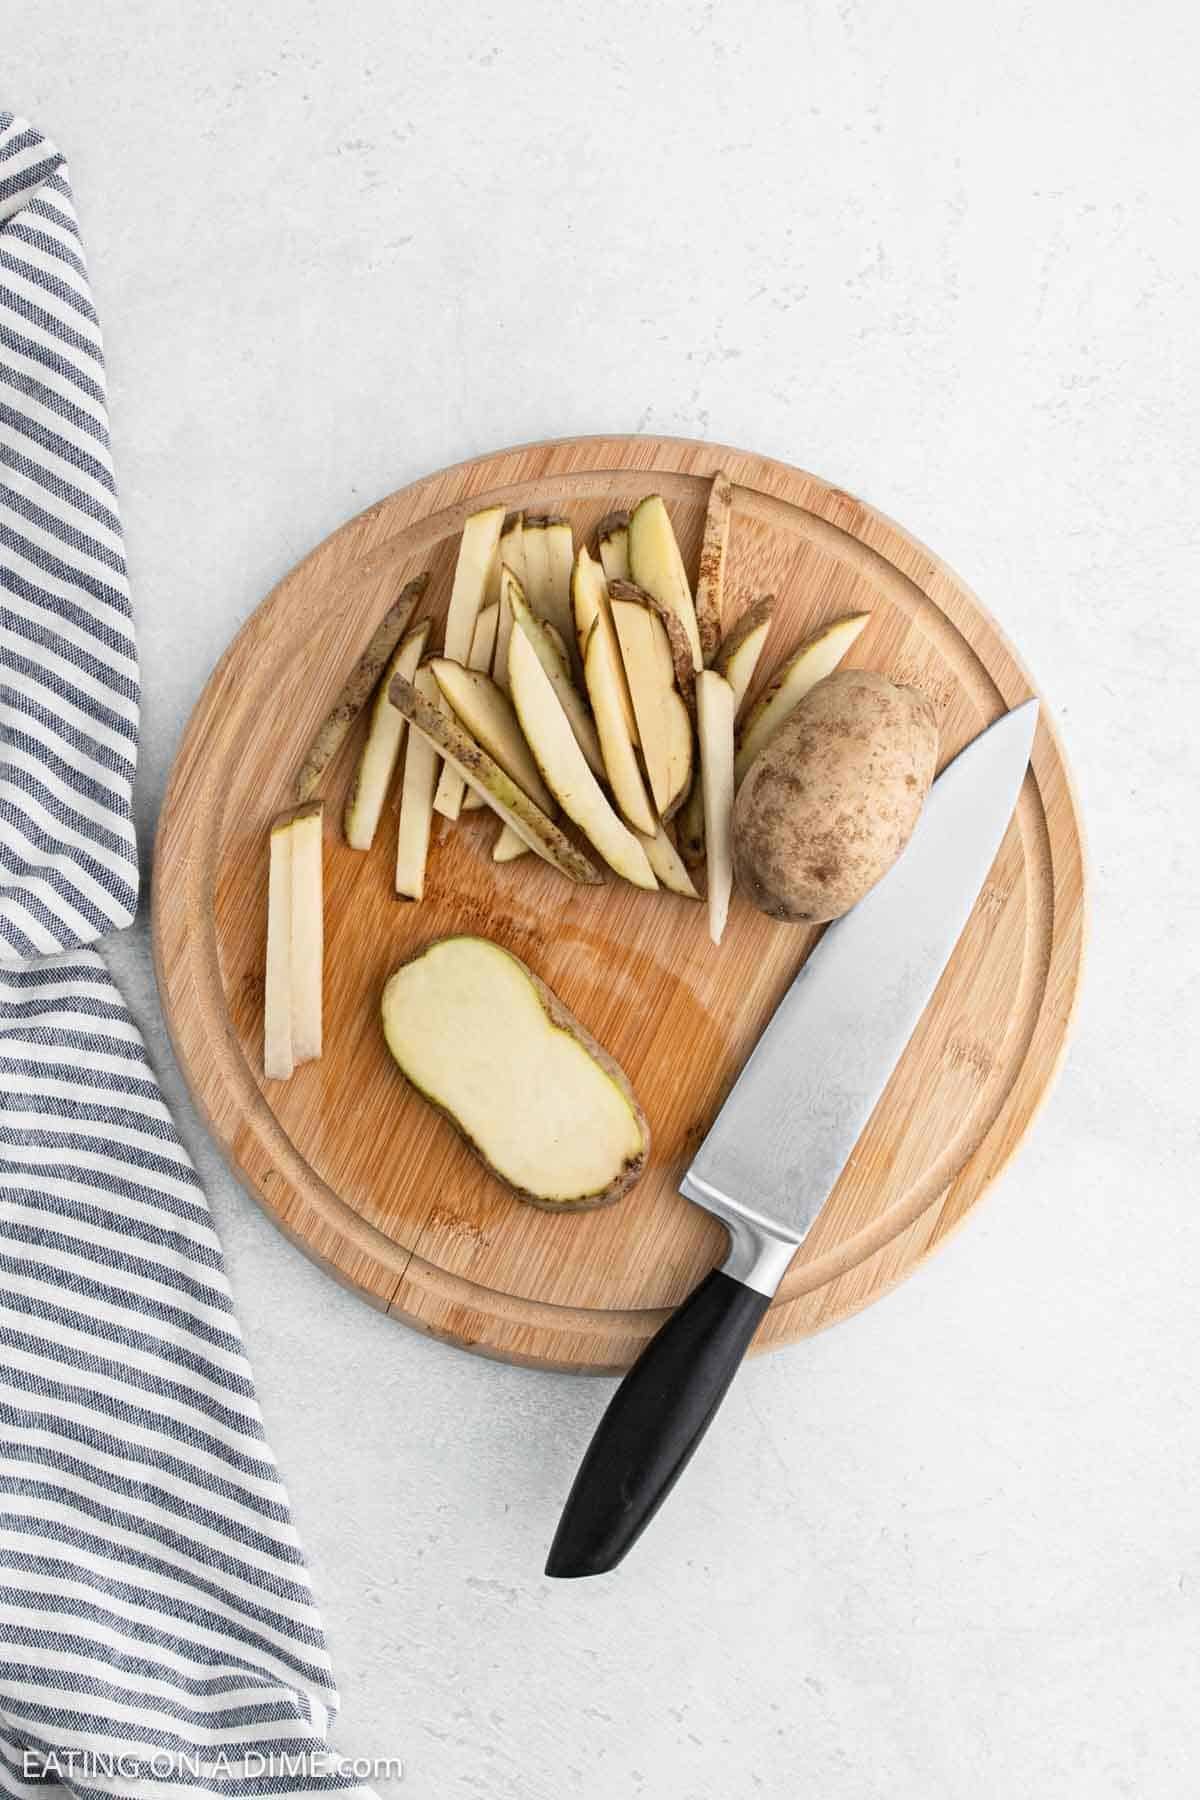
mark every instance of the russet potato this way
{"type": "Point", "coordinates": [828, 806]}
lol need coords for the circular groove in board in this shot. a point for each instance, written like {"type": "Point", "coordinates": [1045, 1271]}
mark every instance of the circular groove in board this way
{"type": "Point", "coordinates": [371, 1182]}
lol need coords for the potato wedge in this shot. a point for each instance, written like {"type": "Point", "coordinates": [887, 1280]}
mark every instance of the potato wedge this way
{"type": "Point", "coordinates": [485, 712]}
{"type": "Point", "coordinates": [501, 792]}
{"type": "Point", "coordinates": [421, 763]}
{"type": "Point", "coordinates": [562, 763]}
{"type": "Point", "coordinates": [604, 677]}
{"type": "Point", "coordinates": [511, 556]}
{"type": "Point", "coordinates": [689, 825]}
{"type": "Point", "coordinates": [570, 699]}
{"type": "Point", "coordinates": [710, 580]}
{"type": "Point", "coordinates": [679, 649]}
{"type": "Point", "coordinates": [656, 565]}
{"type": "Point", "coordinates": [813, 661]}
{"type": "Point", "coordinates": [667, 864]}
{"type": "Point", "coordinates": [589, 602]}
{"type": "Point", "coordinates": [357, 691]}
{"type": "Point", "coordinates": [533, 1094]}
{"type": "Point", "coordinates": [612, 543]}
{"type": "Point", "coordinates": [714, 711]}
{"type": "Point", "coordinates": [483, 646]}
{"type": "Point", "coordinates": [560, 558]}
{"type": "Point", "coordinates": [638, 631]}
{"type": "Point", "coordinates": [380, 754]}
{"type": "Point", "coordinates": [680, 757]}
{"type": "Point", "coordinates": [478, 559]}
{"type": "Point", "coordinates": [739, 651]}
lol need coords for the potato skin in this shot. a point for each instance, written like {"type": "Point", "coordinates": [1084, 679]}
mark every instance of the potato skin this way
{"type": "Point", "coordinates": [827, 808]}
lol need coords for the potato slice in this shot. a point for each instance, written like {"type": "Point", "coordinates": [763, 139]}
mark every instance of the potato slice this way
{"type": "Point", "coordinates": [357, 691]}
{"type": "Point", "coordinates": [533, 1094]}
{"type": "Point", "coordinates": [740, 649]}
{"type": "Point", "coordinates": [589, 602]}
{"type": "Point", "coordinates": [813, 661]}
{"type": "Point", "coordinates": [416, 796]}
{"type": "Point", "coordinates": [562, 763]}
{"type": "Point", "coordinates": [483, 646]}
{"type": "Point", "coordinates": [612, 542]}
{"type": "Point", "coordinates": [478, 557]}
{"type": "Point", "coordinates": [636, 630]}
{"type": "Point", "coordinates": [665, 860]}
{"type": "Point", "coordinates": [500, 791]}
{"type": "Point", "coordinates": [569, 697]}
{"type": "Point", "coordinates": [679, 753]}
{"type": "Point", "coordinates": [689, 825]}
{"type": "Point", "coordinates": [381, 753]}
{"type": "Point", "coordinates": [604, 677]}
{"type": "Point", "coordinates": [560, 556]}
{"type": "Point", "coordinates": [536, 584]}
{"type": "Point", "coordinates": [308, 931]}
{"type": "Point", "coordinates": [486, 712]}
{"type": "Point", "coordinates": [656, 565]}
{"type": "Point", "coordinates": [278, 1061]}
{"type": "Point", "coordinates": [710, 582]}
{"type": "Point", "coordinates": [511, 556]}
{"type": "Point", "coordinates": [678, 650]}
{"type": "Point", "coordinates": [714, 711]}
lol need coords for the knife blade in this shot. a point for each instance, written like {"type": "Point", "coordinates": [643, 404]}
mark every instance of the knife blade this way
{"type": "Point", "coordinates": [785, 1132]}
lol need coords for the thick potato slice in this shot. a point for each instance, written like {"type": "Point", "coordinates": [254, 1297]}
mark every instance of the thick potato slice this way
{"type": "Point", "coordinates": [511, 556]}
{"type": "Point", "coordinates": [714, 711]}
{"type": "Point", "coordinates": [604, 677]}
{"type": "Point", "coordinates": [740, 649]}
{"type": "Point", "coordinates": [278, 1061]}
{"type": "Point", "coordinates": [678, 650]}
{"type": "Point", "coordinates": [589, 602]}
{"type": "Point", "coordinates": [830, 804]}
{"type": "Point", "coordinates": [486, 712]}
{"type": "Point", "coordinates": [537, 1099]}
{"type": "Point", "coordinates": [710, 581]}
{"type": "Point", "coordinates": [478, 561]}
{"type": "Point", "coordinates": [813, 661]}
{"type": "Point", "coordinates": [560, 557]}
{"type": "Point", "coordinates": [381, 752]}
{"type": "Point", "coordinates": [421, 762]}
{"type": "Point", "coordinates": [562, 763]}
{"type": "Point", "coordinates": [483, 646]}
{"type": "Point", "coordinates": [308, 931]}
{"type": "Point", "coordinates": [546, 646]}
{"type": "Point", "coordinates": [357, 691]}
{"type": "Point", "coordinates": [679, 753]}
{"type": "Point", "coordinates": [637, 630]}
{"type": "Point", "coordinates": [656, 565]}
{"type": "Point", "coordinates": [500, 791]}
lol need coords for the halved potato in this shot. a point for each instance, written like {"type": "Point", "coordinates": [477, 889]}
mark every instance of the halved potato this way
{"type": "Point", "coordinates": [486, 712]}
{"type": "Point", "coordinates": [381, 752]}
{"type": "Point", "coordinates": [656, 565]}
{"type": "Point", "coordinates": [501, 792]}
{"type": "Point", "coordinates": [604, 677]}
{"type": "Point", "coordinates": [813, 661]}
{"type": "Point", "coordinates": [714, 711]}
{"type": "Point", "coordinates": [740, 649]}
{"type": "Point", "coordinates": [537, 1099]}
{"type": "Point", "coordinates": [562, 763]}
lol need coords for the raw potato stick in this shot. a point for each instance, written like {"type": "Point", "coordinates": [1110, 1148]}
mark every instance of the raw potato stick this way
{"type": "Point", "coordinates": [714, 706]}
{"type": "Point", "coordinates": [483, 647]}
{"type": "Point", "coordinates": [612, 535]}
{"type": "Point", "coordinates": [665, 860]}
{"type": "Point", "coordinates": [605, 679]}
{"type": "Point", "coordinates": [485, 713]}
{"type": "Point", "coordinates": [710, 584]}
{"type": "Point", "coordinates": [278, 1061]}
{"type": "Point", "coordinates": [560, 556]}
{"type": "Point", "coordinates": [416, 798]}
{"type": "Point", "coordinates": [357, 691]}
{"type": "Point", "coordinates": [512, 556]}
{"type": "Point", "coordinates": [308, 931]}
{"type": "Point", "coordinates": [498, 789]}
{"type": "Point", "coordinates": [740, 649]}
{"type": "Point", "coordinates": [478, 553]}
{"type": "Point", "coordinates": [381, 752]}
{"type": "Point", "coordinates": [656, 565]}
{"type": "Point", "coordinates": [650, 682]}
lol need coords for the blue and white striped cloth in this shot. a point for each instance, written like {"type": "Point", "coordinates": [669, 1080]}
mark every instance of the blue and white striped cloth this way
{"type": "Point", "coordinates": [157, 1629]}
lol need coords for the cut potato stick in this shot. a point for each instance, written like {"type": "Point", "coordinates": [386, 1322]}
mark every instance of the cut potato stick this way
{"type": "Point", "coordinates": [710, 581]}
{"type": "Point", "coordinates": [665, 860]}
{"type": "Point", "coordinates": [511, 556]}
{"type": "Point", "coordinates": [679, 752]}
{"type": "Point", "coordinates": [478, 553]}
{"type": "Point", "coordinates": [683, 669]}
{"type": "Point", "coordinates": [485, 712]}
{"type": "Point", "coordinates": [612, 542]}
{"type": "Point", "coordinates": [656, 565]}
{"type": "Point", "coordinates": [536, 584]}
{"type": "Point", "coordinates": [737, 657]}
{"type": "Point", "coordinates": [814, 660]}
{"type": "Point", "coordinates": [604, 677]}
{"type": "Point", "coordinates": [416, 797]}
{"type": "Point", "coordinates": [714, 710]}
{"type": "Point", "coordinates": [562, 763]}
{"type": "Point", "coordinates": [589, 602]}
{"type": "Point", "coordinates": [483, 647]}
{"type": "Point", "coordinates": [560, 557]}
{"type": "Point", "coordinates": [357, 691]}
{"type": "Point", "coordinates": [500, 791]}
{"type": "Point", "coordinates": [307, 931]}
{"type": "Point", "coordinates": [278, 1061]}
{"type": "Point", "coordinates": [569, 697]}
{"type": "Point", "coordinates": [381, 753]}
{"type": "Point", "coordinates": [650, 681]}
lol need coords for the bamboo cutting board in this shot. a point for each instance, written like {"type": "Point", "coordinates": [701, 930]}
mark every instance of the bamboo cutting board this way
{"type": "Point", "coordinates": [360, 1172]}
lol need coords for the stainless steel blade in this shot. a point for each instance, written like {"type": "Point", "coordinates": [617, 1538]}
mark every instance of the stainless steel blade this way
{"type": "Point", "coordinates": [799, 1106]}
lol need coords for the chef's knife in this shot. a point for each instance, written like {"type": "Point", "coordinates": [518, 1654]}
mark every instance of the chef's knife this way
{"type": "Point", "coordinates": [784, 1134]}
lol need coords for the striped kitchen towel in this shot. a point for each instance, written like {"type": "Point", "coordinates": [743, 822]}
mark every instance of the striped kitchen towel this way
{"type": "Point", "coordinates": [157, 1630]}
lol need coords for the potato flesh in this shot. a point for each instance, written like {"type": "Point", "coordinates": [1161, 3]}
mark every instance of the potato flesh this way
{"type": "Point", "coordinates": [381, 752]}
{"type": "Point", "coordinates": [478, 559]}
{"type": "Point", "coordinates": [278, 1061]}
{"type": "Point", "coordinates": [486, 712]}
{"type": "Point", "coordinates": [714, 708]}
{"type": "Point", "coordinates": [604, 677]}
{"type": "Point", "coordinates": [307, 935]}
{"type": "Point", "coordinates": [512, 557]}
{"type": "Point", "coordinates": [468, 1027]}
{"type": "Point", "coordinates": [815, 660]}
{"type": "Point", "coordinates": [416, 801]}
{"type": "Point", "coordinates": [656, 565]}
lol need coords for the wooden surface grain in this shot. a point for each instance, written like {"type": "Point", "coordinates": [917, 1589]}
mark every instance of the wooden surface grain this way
{"type": "Point", "coordinates": [367, 1179]}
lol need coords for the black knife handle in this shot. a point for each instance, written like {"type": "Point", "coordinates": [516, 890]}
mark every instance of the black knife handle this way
{"type": "Point", "coordinates": [653, 1423]}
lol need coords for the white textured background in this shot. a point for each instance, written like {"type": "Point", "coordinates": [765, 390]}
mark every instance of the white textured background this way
{"type": "Point", "coordinates": [946, 255]}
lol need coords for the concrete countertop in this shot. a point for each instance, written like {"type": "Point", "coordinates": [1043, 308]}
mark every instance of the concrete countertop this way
{"type": "Point", "coordinates": [947, 257]}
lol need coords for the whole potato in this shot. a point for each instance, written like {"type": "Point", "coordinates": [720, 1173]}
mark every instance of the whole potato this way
{"type": "Point", "coordinates": [828, 806]}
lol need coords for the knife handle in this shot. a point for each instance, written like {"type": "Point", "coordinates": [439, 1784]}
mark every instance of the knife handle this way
{"type": "Point", "coordinates": [653, 1423]}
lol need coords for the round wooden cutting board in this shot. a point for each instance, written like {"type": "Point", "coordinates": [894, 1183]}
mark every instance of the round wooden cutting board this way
{"type": "Point", "coordinates": [360, 1172]}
